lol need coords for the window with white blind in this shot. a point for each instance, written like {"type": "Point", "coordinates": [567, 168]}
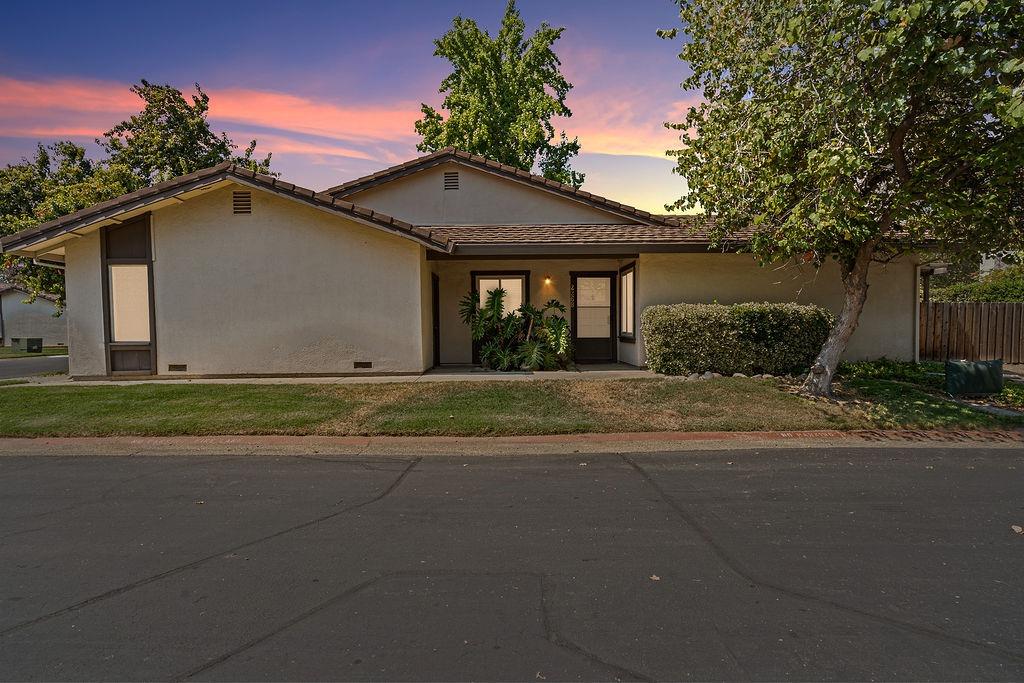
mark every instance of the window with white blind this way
{"type": "Point", "coordinates": [627, 302]}
{"type": "Point", "coordinates": [514, 286]}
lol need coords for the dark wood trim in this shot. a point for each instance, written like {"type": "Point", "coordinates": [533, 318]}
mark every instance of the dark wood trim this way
{"type": "Point", "coordinates": [613, 277]}
{"type": "Point", "coordinates": [474, 274]}
{"type": "Point", "coordinates": [624, 337]}
{"type": "Point", "coordinates": [550, 254]}
{"type": "Point", "coordinates": [525, 274]}
{"type": "Point", "coordinates": [435, 316]}
{"type": "Point", "coordinates": [108, 343]}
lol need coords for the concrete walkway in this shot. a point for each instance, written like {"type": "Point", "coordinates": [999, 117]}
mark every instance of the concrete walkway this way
{"type": "Point", "coordinates": [453, 373]}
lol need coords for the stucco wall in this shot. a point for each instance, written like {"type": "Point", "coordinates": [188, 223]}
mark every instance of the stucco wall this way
{"type": "Point", "coordinates": [455, 281]}
{"type": "Point", "coordinates": [482, 198]}
{"type": "Point", "coordinates": [31, 320]}
{"type": "Point", "coordinates": [83, 280]}
{"type": "Point", "coordinates": [288, 289]}
{"type": "Point", "coordinates": [886, 326]}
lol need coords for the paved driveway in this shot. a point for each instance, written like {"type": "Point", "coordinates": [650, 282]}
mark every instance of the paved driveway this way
{"type": "Point", "coordinates": [806, 564]}
{"type": "Point", "coordinates": [23, 367]}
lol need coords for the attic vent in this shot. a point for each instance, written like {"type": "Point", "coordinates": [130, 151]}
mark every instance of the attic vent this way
{"type": "Point", "coordinates": [241, 202]}
{"type": "Point", "coordinates": [451, 180]}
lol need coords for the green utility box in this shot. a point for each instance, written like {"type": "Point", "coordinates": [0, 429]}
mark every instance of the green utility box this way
{"type": "Point", "coordinates": [27, 344]}
{"type": "Point", "coordinates": [974, 377]}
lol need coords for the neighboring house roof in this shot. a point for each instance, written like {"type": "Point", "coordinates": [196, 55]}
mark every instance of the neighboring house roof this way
{"type": "Point", "coordinates": [198, 179]}
{"type": "Point", "coordinates": [452, 155]}
{"type": "Point", "coordinates": [6, 287]}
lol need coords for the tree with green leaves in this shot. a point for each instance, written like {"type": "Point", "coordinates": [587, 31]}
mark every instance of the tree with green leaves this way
{"type": "Point", "coordinates": [169, 137]}
{"type": "Point", "coordinates": [172, 137]}
{"type": "Point", "coordinates": [501, 96]}
{"type": "Point", "coordinates": [855, 131]}
{"type": "Point", "coordinates": [57, 180]}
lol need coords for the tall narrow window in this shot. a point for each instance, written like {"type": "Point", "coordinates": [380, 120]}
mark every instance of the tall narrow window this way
{"type": "Point", "coordinates": [627, 305]}
{"type": "Point", "coordinates": [127, 257]}
{"type": "Point", "coordinates": [129, 303]}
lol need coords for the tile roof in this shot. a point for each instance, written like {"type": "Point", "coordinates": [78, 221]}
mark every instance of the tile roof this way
{"type": "Point", "coordinates": [684, 231]}
{"type": "Point", "coordinates": [451, 154]}
{"type": "Point", "coordinates": [223, 171]}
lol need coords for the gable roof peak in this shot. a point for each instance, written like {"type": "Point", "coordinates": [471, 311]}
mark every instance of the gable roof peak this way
{"type": "Point", "coordinates": [453, 154]}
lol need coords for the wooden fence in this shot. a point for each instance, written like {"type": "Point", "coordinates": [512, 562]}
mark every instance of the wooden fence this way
{"type": "Point", "coordinates": [972, 331]}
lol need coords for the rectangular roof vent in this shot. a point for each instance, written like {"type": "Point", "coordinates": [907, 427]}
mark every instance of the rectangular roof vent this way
{"type": "Point", "coordinates": [451, 180]}
{"type": "Point", "coordinates": [241, 201]}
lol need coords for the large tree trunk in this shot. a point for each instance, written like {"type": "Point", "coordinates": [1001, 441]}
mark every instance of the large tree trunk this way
{"type": "Point", "coordinates": [855, 292]}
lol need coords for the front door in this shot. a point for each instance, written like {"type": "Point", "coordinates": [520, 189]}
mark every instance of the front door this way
{"type": "Point", "coordinates": [593, 317]}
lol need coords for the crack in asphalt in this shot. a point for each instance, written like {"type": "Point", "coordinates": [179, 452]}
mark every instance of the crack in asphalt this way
{"type": "Point", "coordinates": [551, 634]}
{"type": "Point", "coordinates": [737, 567]}
{"type": "Point", "coordinates": [195, 563]}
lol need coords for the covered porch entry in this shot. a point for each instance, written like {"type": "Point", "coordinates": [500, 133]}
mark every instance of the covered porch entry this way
{"type": "Point", "coordinates": [598, 293]}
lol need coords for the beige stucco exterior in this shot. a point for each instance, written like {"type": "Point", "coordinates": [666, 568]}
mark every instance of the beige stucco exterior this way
{"type": "Point", "coordinates": [36, 319]}
{"type": "Point", "coordinates": [291, 290]}
{"type": "Point", "coordinates": [285, 290]}
{"type": "Point", "coordinates": [83, 282]}
{"type": "Point", "coordinates": [482, 199]}
{"type": "Point", "coordinates": [886, 326]}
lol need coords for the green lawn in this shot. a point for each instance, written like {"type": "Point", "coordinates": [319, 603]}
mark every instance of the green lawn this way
{"type": "Point", "coordinates": [913, 396]}
{"type": "Point", "coordinates": [441, 408]}
{"type": "Point", "coordinates": [475, 408]}
{"type": "Point", "coordinates": [9, 352]}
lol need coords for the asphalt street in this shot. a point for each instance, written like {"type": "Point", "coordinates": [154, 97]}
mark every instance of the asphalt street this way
{"type": "Point", "coordinates": [808, 564]}
{"type": "Point", "coordinates": [23, 367]}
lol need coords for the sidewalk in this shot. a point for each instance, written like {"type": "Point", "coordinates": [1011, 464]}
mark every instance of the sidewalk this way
{"type": "Point", "coordinates": [553, 444]}
{"type": "Point", "coordinates": [452, 373]}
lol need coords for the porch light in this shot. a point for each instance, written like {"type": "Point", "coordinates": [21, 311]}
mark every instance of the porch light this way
{"type": "Point", "coordinates": [547, 279]}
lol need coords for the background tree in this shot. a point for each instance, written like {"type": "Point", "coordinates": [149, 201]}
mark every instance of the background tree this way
{"type": "Point", "coordinates": [851, 130]}
{"type": "Point", "coordinates": [501, 97]}
{"type": "Point", "coordinates": [56, 181]}
{"type": "Point", "coordinates": [171, 137]}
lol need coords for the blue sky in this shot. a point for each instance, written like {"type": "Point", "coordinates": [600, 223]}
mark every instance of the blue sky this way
{"type": "Point", "coordinates": [333, 88]}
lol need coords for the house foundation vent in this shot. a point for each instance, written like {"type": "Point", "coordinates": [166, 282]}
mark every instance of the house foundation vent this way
{"type": "Point", "coordinates": [241, 202]}
{"type": "Point", "coordinates": [362, 364]}
{"type": "Point", "coordinates": [176, 367]}
{"type": "Point", "coordinates": [451, 180]}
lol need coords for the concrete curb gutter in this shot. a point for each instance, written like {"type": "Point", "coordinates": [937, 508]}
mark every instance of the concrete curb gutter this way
{"type": "Point", "coordinates": [499, 445]}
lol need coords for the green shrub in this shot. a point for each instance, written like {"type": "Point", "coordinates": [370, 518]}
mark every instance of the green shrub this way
{"type": "Point", "coordinates": [751, 338]}
{"type": "Point", "coordinates": [1006, 284]}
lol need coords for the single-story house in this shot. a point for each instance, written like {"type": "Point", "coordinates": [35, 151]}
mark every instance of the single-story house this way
{"type": "Point", "coordinates": [37, 319]}
{"type": "Point", "coordinates": [228, 272]}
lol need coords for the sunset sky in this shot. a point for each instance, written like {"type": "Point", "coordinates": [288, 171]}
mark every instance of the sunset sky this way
{"type": "Point", "coordinates": [333, 88]}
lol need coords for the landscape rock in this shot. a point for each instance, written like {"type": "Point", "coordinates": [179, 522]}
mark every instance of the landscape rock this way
{"type": "Point", "coordinates": [693, 377]}
{"type": "Point", "coordinates": [707, 375]}
{"type": "Point", "coordinates": [738, 374]}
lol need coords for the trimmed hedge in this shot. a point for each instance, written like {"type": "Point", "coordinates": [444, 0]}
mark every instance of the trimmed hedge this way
{"type": "Point", "coordinates": [752, 338]}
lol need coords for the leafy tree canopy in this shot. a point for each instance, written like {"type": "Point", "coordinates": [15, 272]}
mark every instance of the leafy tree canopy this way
{"type": "Point", "coordinates": [171, 137]}
{"type": "Point", "coordinates": [1005, 284]}
{"type": "Point", "coordinates": [853, 129]}
{"type": "Point", "coordinates": [501, 97]}
{"type": "Point", "coordinates": [55, 181]}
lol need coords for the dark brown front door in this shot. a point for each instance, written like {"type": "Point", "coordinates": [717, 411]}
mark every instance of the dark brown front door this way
{"type": "Point", "coordinates": [593, 316]}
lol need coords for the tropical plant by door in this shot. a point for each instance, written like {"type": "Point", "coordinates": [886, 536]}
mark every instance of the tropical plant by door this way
{"type": "Point", "coordinates": [527, 338]}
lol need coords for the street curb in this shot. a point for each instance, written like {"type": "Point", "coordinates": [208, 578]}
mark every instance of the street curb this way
{"type": "Point", "coordinates": [537, 444]}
